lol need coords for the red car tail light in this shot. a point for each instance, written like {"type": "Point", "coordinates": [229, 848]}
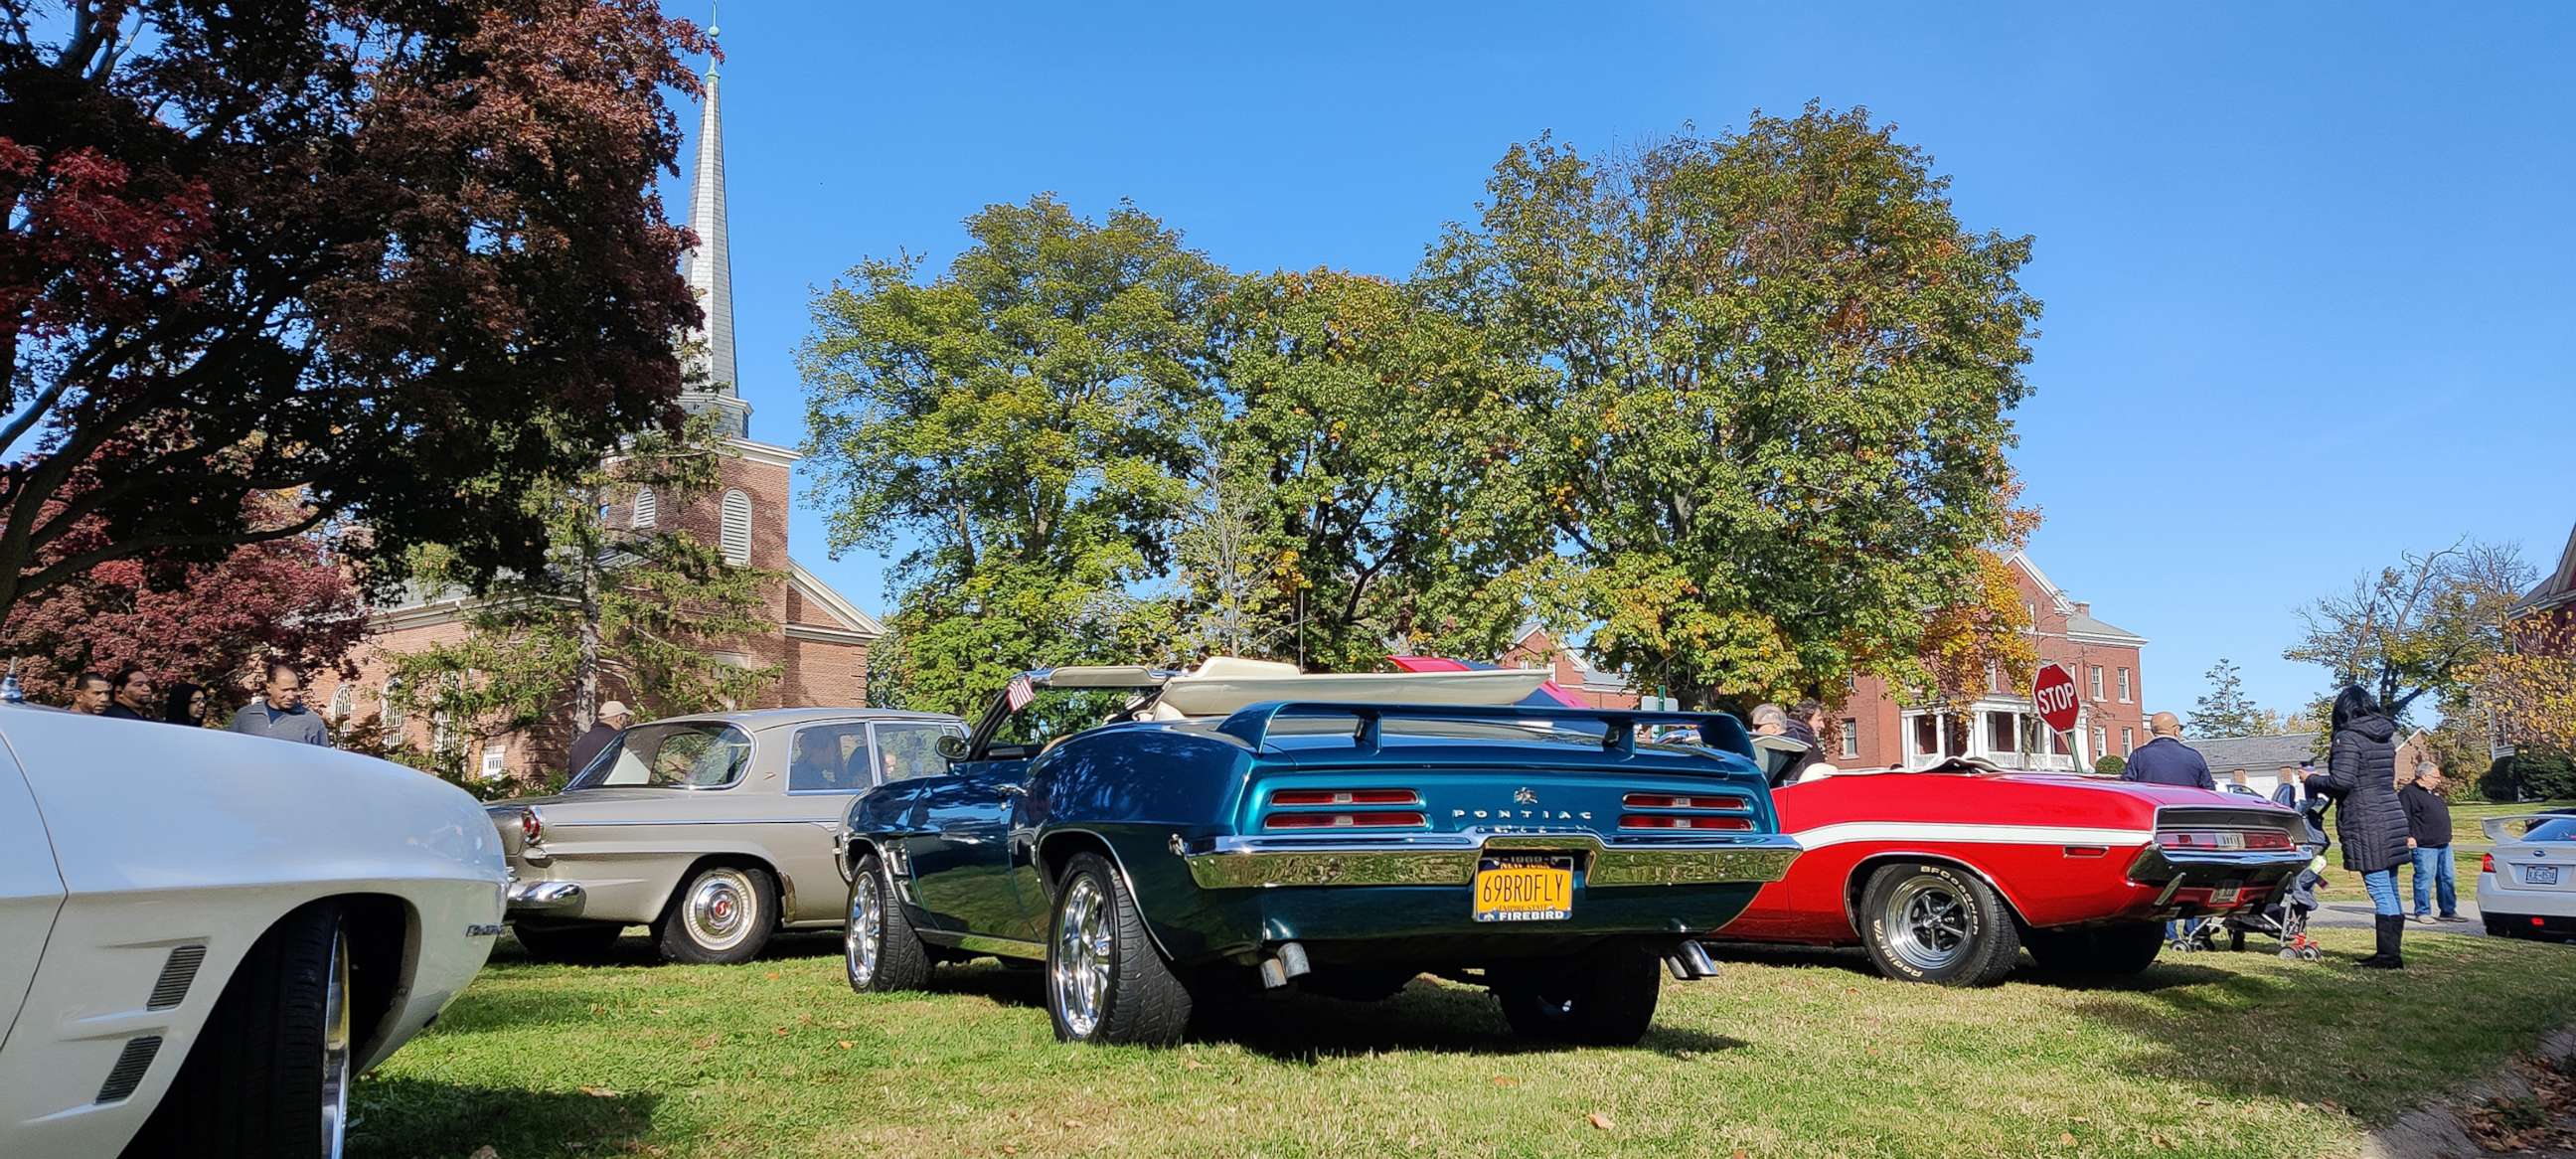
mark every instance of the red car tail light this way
{"type": "Point", "coordinates": [2486, 863]}
{"type": "Point", "coordinates": [1651, 821]}
{"type": "Point", "coordinates": [531, 827]}
{"type": "Point", "coordinates": [2228, 840]}
{"type": "Point", "coordinates": [1345, 797]}
{"type": "Point", "coordinates": [1378, 820]}
{"type": "Point", "coordinates": [1727, 801]}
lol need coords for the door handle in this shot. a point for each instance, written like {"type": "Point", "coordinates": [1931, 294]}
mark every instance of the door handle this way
{"type": "Point", "coordinates": [1006, 792]}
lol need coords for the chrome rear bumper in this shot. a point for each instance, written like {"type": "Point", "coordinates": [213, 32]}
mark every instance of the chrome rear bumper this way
{"type": "Point", "coordinates": [1450, 859]}
{"type": "Point", "coordinates": [553, 899]}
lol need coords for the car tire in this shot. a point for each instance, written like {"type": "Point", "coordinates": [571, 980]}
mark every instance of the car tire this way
{"type": "Point", "coordinates": [721, 914]}
{"type": "Point", "coordinates": [270, 1071]}
{"type": "Point", "coordinates": [1940, 924]}
{"type": "Point", "coordinates": [879, 950]}
{"type": "Point", "coordinates": [2496, 926]}
{"type": "Point", "coordinates": [2126, 948]}
{"type": "Point", "coordinates": [580, 944]}
{"type": "Point", "coordinates": [1605, 997]}
{"type": "Point", "coordinates": [1105, 981]}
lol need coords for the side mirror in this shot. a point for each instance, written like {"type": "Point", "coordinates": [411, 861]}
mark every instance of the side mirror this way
{"type": "Point", "coordinates": [950, 747]}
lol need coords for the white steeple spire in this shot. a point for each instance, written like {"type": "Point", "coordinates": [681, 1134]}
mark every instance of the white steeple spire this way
{"type": "Point", "coordinates": [709, 267]}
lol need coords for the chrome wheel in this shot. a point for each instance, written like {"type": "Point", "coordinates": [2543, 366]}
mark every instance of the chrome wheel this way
{"type": "Point", "coordinates": [1928, 925]}
{"type": "Point", "coordinates": [866, 937]}
{"type": "Point", "coordinates": [721, 910]}
{"type": "Point", "coordinates": [1079, 971]}
{"type": "Point", "coordinates": [335, 1046]}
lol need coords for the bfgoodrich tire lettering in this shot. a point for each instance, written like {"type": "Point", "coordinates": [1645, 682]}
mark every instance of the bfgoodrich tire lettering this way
{"type": "Point", "coordinates": [722, 914]}
{"type": "Point", "coordinates": [269, 1073]}
{"type": "Point", "coordinates": [879, 951]}
{"type": "Point", "coordinates": [1105, 981]}
{"type": "Point", "coordinates": [1927, 922]}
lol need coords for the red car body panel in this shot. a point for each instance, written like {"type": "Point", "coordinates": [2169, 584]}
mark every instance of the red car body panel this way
{"type": "Point", "coordinates": [2059, 847]}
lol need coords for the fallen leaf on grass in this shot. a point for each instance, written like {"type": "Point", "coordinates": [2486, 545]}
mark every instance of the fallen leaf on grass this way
{"type": "Point", "coordinates": [599, 1092]}
{"type": "Point", "coordinates": [782, 1032]}
{"type": "Point", "coordinates": [659, 1010]}
{"type": "Point", "coordinates": [1192, 1064]}
{"type": "Point", "coordinates": [2066, 1138]}
{"type": "Point", "coordinates": [772, 975]}
{"type": "Point", "coordinates": [1598, 1120]}
{"type": "Point", "coordinates": [2079, 1119]}
{"type": "Point", "coordinates": [845, 1044]}
{"type": "Point", "coordinates": [710, 1042]}
{"type": "Point", "coordinates": [1504, 1080]}
{"type": "Point", "coordinates": [1073, 1124]}
{"type": "Point", "coordinates": [1007, 1149]}
{"type": "Point", "coordinates": [596, 1008]}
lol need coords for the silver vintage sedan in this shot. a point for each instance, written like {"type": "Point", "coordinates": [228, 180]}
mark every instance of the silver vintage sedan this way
{"type": "Point", "coordinates": [715, 830]}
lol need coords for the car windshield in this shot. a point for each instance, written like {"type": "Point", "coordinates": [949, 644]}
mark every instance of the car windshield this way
{"type": "Point", "coordinates": [685, 755]}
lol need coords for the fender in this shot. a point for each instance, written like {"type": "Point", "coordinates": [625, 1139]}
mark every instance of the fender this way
{"type": "Point", "coordinates": [1859, 881]}
{"type": "Point", "coordinates": [1156, 927]}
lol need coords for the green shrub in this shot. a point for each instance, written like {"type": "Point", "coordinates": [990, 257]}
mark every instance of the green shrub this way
{"type": "Point", "coordinates": [2110, 765]}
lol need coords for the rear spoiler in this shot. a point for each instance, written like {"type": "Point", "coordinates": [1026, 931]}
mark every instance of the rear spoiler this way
{"type": "Point", "coordinates": [1717, 730]}
{"type": "Point", "coordinates": [2495, 825]}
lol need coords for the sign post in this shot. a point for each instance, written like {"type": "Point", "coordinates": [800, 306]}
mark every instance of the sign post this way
{"type": "Point", "coordinates": [2052, 692]}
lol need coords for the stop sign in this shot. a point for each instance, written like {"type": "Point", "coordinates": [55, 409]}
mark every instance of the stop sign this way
{"type": "Point", "coordinates": [2053, 691]}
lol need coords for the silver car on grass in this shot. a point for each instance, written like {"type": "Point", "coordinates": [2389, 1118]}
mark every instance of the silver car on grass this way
{"type": "Point", "coordinates": [715, 830]}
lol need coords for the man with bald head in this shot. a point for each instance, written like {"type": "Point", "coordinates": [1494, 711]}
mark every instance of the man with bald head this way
{"type": "Point", "coordinates": [2165, 760]}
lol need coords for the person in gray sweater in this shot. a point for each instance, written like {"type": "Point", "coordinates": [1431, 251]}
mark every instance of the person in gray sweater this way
{"type": "Point", "coordinates": [283, 715]}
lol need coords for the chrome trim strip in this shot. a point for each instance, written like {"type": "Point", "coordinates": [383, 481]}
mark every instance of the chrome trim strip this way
{"type": "Point", "coordinates": [552, 825]}
{"type": "Point", "coordinates": [1007, 947]}
{"type": "Point", "coordinates": [1450, 859]}
{"type": "Point", "coordinates": [560, 899]}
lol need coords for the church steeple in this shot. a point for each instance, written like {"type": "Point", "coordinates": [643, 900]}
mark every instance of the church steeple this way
{"type": "Point", "coordinates": [710, 271]}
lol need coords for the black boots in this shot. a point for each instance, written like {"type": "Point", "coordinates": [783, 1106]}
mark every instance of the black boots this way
{"type": "Point", "coordinates": [2392, 928]}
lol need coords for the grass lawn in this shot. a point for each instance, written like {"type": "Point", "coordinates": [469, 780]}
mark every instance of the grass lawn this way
{"type": "Point", "coordinates": [1783, 1054]}
{"type": "Point", "coordinates": [2468, 843]}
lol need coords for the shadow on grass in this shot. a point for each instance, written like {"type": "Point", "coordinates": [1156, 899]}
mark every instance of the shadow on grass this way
{"type": "Point", "coordinates": [401, 1118]}
{"type": "Point", "coordinates": [2170, 970]}
{"type": "Point", "coordinates": [637, 948]}
{"type": "Point", "coordinates": [2376, 1042]}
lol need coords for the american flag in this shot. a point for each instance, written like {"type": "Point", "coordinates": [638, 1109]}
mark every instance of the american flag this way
{"type": "Point", "coordinates": [1018, 693]}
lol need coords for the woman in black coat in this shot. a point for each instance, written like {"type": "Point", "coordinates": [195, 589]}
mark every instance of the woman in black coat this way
{"type": "Point", "coordinates": [2361, 776]}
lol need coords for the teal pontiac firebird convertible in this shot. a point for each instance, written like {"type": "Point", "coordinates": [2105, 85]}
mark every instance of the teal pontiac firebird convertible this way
{"type": "Point", "coordinates": [1341, 833]}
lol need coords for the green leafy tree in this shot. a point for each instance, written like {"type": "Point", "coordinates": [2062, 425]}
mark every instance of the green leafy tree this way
{"type": "Point", "coordinates": [643, 614]}
{"type": "Point", "coordinates": [2225, 710]}
{"type": "Point", "coordinates": [1025, 425]}
{"type": "Point", "coordinates": [1769, 432]}
{"type": "Point", "coordinates": [1358, 449]}
{"type": "Point", "coordinates": [2426, 625]}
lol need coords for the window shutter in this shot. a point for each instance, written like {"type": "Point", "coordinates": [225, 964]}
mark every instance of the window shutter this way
{"type": "Point", "coordinates": [735, 537]}
{"type": "Point", "coordinates": [646, 508]}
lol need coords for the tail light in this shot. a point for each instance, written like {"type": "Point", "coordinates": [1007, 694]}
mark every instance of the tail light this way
{"type": "Point", "coordinates": [1653, 821]}
{"type": "Point", "coordinates": [531, 827]}
{"type": "Point", "coordinates": [1375, 820]}
{"type": "Point", "coordinates": [2227, 840]}
{"type": "Point", "coordinates": [2486, 863]}
{"type": "Point", "coordinates": [1727, 801]}
{"type": "Point", "coordinates": [1345, 797]}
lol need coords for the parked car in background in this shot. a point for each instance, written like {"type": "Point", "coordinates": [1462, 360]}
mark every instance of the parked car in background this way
{"type": "Point", "coordinates": [715, 830]}
{"type": "Point", "coordinates": [1947, 874]}
{"type": "Point", "coordinates": [1155, 837]}
{"type": "Point", "coordinates": [2527, 882]}
{"type": "Point", "coordinates": [204, 937]}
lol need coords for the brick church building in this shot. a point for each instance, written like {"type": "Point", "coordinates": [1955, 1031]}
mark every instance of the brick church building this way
{"type": "Point", "coordinates": [819, 640]}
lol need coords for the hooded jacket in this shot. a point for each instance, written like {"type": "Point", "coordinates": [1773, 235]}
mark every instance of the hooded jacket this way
{"type": "Point", "coordinates": [2361, 775]}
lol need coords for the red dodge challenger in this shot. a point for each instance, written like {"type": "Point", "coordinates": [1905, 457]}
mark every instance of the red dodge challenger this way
{"type": "Point", "coordinates": [1945, 875]}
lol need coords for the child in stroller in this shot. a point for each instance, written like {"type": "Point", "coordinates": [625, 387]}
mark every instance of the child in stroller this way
{"type": "Point", "coordinates": [2283, 917]}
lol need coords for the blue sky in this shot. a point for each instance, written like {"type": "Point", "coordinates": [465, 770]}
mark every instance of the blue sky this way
{"type": "Point", "coordinates": [2307, 270]}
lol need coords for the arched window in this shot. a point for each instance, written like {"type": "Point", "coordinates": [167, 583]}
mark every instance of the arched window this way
{"type": "Point", "coordinates": [735, 536]}
{"type": "Point", "coordinates": [646, 508]}
{"type": "Point", "coordinates": [343, 701]}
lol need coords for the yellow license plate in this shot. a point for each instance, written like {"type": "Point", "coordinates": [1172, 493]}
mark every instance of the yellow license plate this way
{"type": "Point", "coordinates": [1529, 889]}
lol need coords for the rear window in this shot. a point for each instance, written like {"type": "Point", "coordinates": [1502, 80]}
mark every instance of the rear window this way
{"type": "Point", "coordinates": [2562, 829]}
{"type": "Point", "coordinates": [687, 755]}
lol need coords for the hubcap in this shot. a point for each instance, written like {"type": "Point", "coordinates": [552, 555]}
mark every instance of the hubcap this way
{"type": "Point", "coordinates": [719, 913]}
{"type": "Point", "coordinates": [1927, 924]}
{"type": "Point", "coordinates": [335, 1046]}
{"type": "Point", "coordinates": [1079, 973]}
{"type": "Point", "coordinates": [867, 929]}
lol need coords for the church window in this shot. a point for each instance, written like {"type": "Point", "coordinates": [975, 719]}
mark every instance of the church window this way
{"type": "Point", "coordinates": [646, 508]}
{"type": "Point", "coordinates": [735, 537]}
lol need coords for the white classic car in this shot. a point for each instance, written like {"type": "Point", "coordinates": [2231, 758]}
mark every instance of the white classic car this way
{"type": "Point", "coordinates": [205, 936]}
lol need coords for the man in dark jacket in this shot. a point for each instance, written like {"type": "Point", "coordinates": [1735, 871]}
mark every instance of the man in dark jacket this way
{"type": "Point", "coordinates": [2165, 760]}
{"type": "Point", "coordinates": [132, 699]}
{"type": "Point", "coordinates": [2428, 827]}
{"type": "Point", "coordinates": [586, 748]}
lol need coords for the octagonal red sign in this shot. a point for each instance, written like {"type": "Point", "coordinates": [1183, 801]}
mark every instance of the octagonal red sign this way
{"type": "Point", "coordinates": [2052, 691]}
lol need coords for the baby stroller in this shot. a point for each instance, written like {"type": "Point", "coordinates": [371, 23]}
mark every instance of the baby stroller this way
{"type": "Point", "coordinates": [2283, 917]}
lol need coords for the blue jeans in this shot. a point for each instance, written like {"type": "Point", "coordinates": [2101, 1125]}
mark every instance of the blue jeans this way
{"type": "Point", "coordinates": [2435, 867]}
{"type": "Point", "coordinates": [2382, 884]}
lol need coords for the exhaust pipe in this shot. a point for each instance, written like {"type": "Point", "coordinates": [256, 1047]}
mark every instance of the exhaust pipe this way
{"type": "Point", "coordinates": [1690, 961]}
{"type": "Point", "coordinates": [1289, 962]}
